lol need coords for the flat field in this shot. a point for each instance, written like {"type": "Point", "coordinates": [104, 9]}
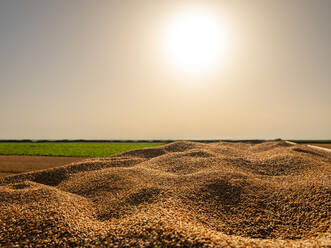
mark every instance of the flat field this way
{"type": "Point", "coordinates": [3, 174]}
{"type": "Point", "coordinates": [322, 145]}
{"type": "Point", "coordinates": [18, 164]}
{"type": "Point", "coordinates": [70, 149]}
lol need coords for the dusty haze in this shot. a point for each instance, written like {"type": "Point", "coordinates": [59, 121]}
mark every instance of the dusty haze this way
{"type": "Point", "coordinates": [96, 69]}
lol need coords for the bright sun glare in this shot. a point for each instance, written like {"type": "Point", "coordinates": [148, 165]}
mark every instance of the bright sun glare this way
{"type": "Point", "coordinates": [195, 41]}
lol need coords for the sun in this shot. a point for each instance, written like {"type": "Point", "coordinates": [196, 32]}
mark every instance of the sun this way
{"type": "Point", "coordinates": [195, 41]}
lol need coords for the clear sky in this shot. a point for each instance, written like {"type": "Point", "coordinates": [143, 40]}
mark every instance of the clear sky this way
{"type": "Point", "coordinates": [102, 70]}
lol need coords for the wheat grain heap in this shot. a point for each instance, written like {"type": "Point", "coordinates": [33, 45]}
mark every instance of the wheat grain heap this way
{"type": "Point", "coordinates": [182, 194]}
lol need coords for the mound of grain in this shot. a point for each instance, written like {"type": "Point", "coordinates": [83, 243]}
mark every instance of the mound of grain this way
{"type": "Point", "coordinates": [182, 194]}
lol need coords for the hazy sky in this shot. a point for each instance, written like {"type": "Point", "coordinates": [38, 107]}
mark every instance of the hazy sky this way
{"type": "Point", "coordinates": [98, 69]}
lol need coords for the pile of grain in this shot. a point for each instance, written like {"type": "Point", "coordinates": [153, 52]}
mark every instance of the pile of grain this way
{"type": "Point", "coordinates": [181, 194]}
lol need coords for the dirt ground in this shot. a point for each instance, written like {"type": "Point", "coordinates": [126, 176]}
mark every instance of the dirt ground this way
{"type": "Point", "coordinates": [5, 174]}
{"type": "Point", "coordinates": [322, 145]}
{"type": "Point", "coordinates": [18, 164]}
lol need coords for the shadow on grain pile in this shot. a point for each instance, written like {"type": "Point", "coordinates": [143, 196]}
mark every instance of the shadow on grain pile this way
{"type": "Point", "coordinates": [181, 194]}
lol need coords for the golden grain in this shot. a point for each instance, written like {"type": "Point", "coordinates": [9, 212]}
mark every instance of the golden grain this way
{"type": "Point", "coordinates": [182, 194]}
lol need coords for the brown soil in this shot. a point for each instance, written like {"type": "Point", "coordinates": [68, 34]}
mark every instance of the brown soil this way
{"type": "Point", "coordinates": [2, 174]}
{"type": "Point", "coordinates": [18, 164]}
{"type": "Point", "coordinates": [322, 145]}
{"type": "Point", "coordinates": [182, 194]}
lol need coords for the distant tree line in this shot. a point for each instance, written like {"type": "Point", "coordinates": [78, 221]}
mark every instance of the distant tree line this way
{"type": "Point", "coordinates": [81, 141]}
{"type": "Point", "coordinates": [251, 141]}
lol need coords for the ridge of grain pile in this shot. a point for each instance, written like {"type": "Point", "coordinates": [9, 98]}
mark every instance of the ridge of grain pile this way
{"type": "Point", "coordinates": [182, 194]}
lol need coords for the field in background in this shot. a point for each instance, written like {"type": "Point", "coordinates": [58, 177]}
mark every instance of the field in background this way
{"type": "Point", "coordinates": [3, 174]}
{"type": "Point", "coordinates": [18, 164]}
{"type": "Point", "coordinates": [322, 145]}
{"type": "Point", "coordinates": [45, 155]}
{"type": "Point", "coordinates": [70, 149]}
